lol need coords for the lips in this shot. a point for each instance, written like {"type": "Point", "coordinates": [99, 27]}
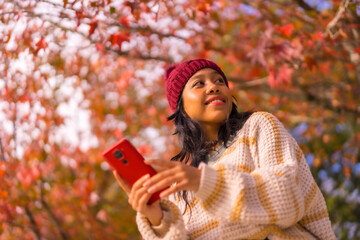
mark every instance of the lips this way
{"type": "Point", "coordinates": [212, 99]}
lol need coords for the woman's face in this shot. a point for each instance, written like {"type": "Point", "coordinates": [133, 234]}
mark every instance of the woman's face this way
{"type": "Point", "coordinates": [206, 98]}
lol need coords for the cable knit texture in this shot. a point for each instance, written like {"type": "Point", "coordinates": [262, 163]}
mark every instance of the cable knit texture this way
{"type": "Point", "coordinates": [260, 187]}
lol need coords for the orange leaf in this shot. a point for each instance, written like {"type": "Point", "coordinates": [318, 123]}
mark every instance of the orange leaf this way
{"type": "Point", "coordinates": [118, 133]}
{"type": "Point", "coordinates": [8, 37]}
{"type": "Point", "coordinates": [35, 173]}
{"type": "Point", "coordinates": [357, 50]}
{"type": "Point", "coordinates": [347, 172]}
{"type": "Point", "coordinates": [144, 149]}
{"type": "Point", "coordinates": [152, 111]}
{"type": "Point", "coordinates": [231, 85]}
{"type": "Point", "coordinates": [41, 44]}
{"type": "Point", "coordinates": [122, 83]}
{"type": "Point", "coordinates": [343, 34]}
{"type": "Point", "coordinates": [331, 51]}
{"type": "Point", "coordinates": [350, 66]}
{"type": "Point", "coordinates": [318, 36]}
{"type": "Point", "coordinates": [286, 29]}
{"type": "Point", "coordinates": [3, 194]}
{"type": "Point", "coordinates": [280, 77]}
{"type": "Point", "coordinates": [122, 61]}
{"type": "Point", "coordinates": [203, 7]}
{"type": "Point", "coordinates": [271, 79]}
{"type": "Point", "coordinates": [274, 100]}
{"type": "Point", "coordinates": [24, 98]}
{"type": "Point", "coordinates": [324, 67]}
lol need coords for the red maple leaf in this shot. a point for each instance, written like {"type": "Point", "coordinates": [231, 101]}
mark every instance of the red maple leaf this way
{"type": "Point", "coordinates": [93, 26]}
{"type": "Point", "coordinates": [286, 29]}
{"type": "Point", "coordinates": [41, 44]}
{"type": "Point", "coordinates": [280, 78]}
{"type": "Point", "coordinates": [118, 39]}
{"type": "Point", "coordinates": [125, 21]}
{"type": "Point", "coordinates": [79, 16]}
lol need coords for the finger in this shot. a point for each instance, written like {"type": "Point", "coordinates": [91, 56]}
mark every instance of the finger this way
{"type": "Point", "coordinates": [178, 187]}
{"type": "Point", "coordinates": [139, 194]}
{"type": "Point", "coordinates": [122, 183]}
{"type": "Point", "coordinates": [138, 184]}
{"type": "Point", "coordinates": [162, 163]}
{"type": "Point", "coordinates": [143, 201]}
{"type": "Point", "coordinates": [166, 182]}
{"type": "Point", "coordinates": [160, 176]}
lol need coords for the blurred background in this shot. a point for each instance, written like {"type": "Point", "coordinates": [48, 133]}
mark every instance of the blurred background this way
{"type": "Point", "coordinates": [76, 76]}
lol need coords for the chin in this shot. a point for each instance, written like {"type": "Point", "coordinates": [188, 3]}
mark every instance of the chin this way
{"type": "Point", "coordinates": [220, 118]}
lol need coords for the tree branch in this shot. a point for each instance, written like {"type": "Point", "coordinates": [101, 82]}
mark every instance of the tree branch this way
{"type": "Point", "coordinates": [305, 6]}
{"type": "Point", "coordinates": [15, 129]}
{"type": "Point", "coordinates": [343, 6]}
{"type": "Point", "coordinates": [149, 30]}
{"type": "Point", "coordinates": [2, 152]}
{"type": "Point", "coordinates": [120, 53]}
{"type": "Point", "coordinates": [326, 103]}
{"type": "Point", "coordinates": [48, 210]}
{"type": "Point", "coordinates": [33, 224]}
{"type": "Point", "coordinates": [305, 94]}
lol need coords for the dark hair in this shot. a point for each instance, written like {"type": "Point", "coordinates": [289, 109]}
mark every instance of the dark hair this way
{"type": "Point", "coordinates": [193, 140]}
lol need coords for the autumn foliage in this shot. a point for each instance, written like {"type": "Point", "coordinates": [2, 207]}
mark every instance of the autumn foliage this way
{"type": "Point", "coordinates": [76, 76]}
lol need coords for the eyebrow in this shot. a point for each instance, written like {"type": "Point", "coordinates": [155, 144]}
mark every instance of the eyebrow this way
{"type": "Point", "coordinates": [202, 75]}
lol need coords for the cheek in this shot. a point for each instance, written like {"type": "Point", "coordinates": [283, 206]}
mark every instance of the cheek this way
{"type": "Point", "coordinates": [190, 104]}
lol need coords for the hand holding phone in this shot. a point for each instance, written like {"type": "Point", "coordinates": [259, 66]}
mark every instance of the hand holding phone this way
{"type": "Point", "coordinates": [129, 164]}
{"type": "Point", "coordinates": [152, 212]}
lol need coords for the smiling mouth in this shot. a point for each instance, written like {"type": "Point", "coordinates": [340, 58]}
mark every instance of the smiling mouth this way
{"type": "Point", "coordinates": [215, 100]}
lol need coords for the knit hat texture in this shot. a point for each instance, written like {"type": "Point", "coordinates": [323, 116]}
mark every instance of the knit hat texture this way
{"type": "Point", "coordinates": [178, 75]}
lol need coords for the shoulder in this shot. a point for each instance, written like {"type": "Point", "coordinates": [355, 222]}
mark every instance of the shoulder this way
{"type": "Point", "coordinates": [263, 118]}
{"type": "Point", "coordinates": [264, 124]}
{"type": "Point", "coordinates": [261, 121]}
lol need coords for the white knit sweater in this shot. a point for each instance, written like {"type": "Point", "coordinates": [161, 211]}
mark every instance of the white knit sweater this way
{"type": "Point", "coordinates": [260, 187]}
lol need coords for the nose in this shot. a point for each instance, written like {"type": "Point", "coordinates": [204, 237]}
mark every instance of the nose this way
{"type": "Point", "coordinates": [212, 88]}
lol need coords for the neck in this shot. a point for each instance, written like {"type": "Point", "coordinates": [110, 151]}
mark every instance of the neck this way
{"type": "Point", "coordinates": [211, 132]}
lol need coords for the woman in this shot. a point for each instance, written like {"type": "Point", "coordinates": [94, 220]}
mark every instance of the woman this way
{"type": "Point", "coordinates": [238, 175]}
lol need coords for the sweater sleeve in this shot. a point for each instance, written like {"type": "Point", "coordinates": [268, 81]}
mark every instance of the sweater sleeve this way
{"type": "Point", "coordinates": [271, 192]}
{"type": "Point", "coordinates": [171, 227]}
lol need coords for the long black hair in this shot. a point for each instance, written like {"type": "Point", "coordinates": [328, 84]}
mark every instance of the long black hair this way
{"type": "Point", "coordinates": [193, 140]}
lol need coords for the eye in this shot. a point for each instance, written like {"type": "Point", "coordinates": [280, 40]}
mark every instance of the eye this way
{"type": "Point", "coordinates": [220, 80]}
{"type": "Point", "coordinates": [198, 83]}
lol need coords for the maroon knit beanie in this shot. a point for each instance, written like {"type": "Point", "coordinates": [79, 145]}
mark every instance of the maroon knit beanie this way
{"type": "Point", "coordinates": [177, 76]}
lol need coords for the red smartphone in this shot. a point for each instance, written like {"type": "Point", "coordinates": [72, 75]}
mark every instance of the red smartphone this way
{"type": "Point", "coordinates": [129, 164]}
